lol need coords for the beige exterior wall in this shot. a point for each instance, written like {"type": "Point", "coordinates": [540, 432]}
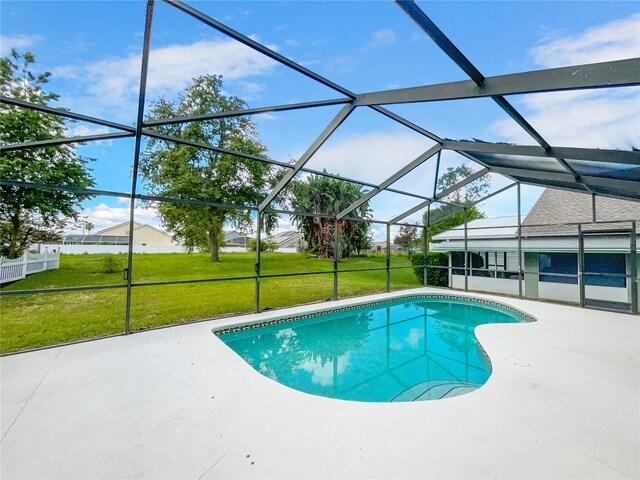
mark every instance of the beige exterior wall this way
{"type": "Point", "coordinates": [142, 234]}
{"type": "Point", "coordinates": [122, 230]}
{"type": "Point", "coordinates": [146, 235]}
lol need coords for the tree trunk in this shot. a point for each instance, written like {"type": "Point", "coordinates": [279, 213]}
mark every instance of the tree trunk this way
{"type": "Point", "coordinates": [215, 234]}
{"type": "Point", "coordinates": [214, 246]}
{"type": "Point", "coordinates": [13, 251]}
{"type": "Point", "coordinates": [14, 238]}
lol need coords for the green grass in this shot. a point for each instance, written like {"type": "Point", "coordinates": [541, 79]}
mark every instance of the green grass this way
{"type": "Point", "coordinates": [36, 320]}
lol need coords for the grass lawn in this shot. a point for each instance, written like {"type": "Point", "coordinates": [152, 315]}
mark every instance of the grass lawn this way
{"type": "Point", "coordinates": [36, 320]}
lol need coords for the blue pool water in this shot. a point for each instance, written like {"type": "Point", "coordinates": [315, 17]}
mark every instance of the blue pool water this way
{"type": "Point", "coordinates": [420, 348]}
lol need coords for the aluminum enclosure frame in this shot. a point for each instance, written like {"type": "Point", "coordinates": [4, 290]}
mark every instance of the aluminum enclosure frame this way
{"type": "Point", "coordinates": [599, 75]}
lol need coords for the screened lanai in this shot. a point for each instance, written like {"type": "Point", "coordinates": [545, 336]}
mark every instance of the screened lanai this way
{"type": "Point", "coordinates": [424, 154]}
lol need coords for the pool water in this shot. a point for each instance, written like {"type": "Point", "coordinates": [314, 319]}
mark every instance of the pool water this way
{"type": "Point", "coordinates": [402, 350]}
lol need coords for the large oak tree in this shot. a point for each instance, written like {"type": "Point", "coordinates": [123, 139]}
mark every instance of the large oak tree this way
{"type": "Point", "coordinates": [176, 170]}
{"type": "Point", "coordinates": [28, 214]}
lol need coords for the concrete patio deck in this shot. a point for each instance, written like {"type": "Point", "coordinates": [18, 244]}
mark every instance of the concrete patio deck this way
{"type": "Point", "coordinates": [563, 402]}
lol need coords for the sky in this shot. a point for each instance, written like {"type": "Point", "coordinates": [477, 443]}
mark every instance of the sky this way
{"type": "Point", "coordinates": [92, 49]}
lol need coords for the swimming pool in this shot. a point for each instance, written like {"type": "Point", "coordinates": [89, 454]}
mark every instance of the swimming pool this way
{"type": "Point", "coordinates": [404, 349]}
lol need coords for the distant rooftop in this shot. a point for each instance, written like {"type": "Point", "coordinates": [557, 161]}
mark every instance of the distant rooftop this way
{"type": "Point", "coordinates": [497, 227]}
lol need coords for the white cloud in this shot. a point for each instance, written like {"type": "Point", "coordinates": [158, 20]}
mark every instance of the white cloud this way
{"type": "Point", "coordinates": [323, 374]}
{"type": "Point", "coordinates": [285, 224]}
{"type": "Point", "coordinates": [615, 40]}
{"type": "Point", "coordinates": [602, 118]}
{"type": "Point", "coordinates": [375, 156]}
{"type": "Point", "coordinates": [414, 338]}
{"type": "Point", "coordinates": [103, 216]}
{"type": "Point", "coordinates": [382, 38]}
{"type": "Point", "coordinates": [340, 64]}
{"type": "Point", "coordinates": [370, 157]}
{"type": "Point", "coordinates": [379, 232]}
{"type": "Point", "coordinates": [309, 63]}
{"type": "Point", "coordinates": [252, 90]}
{"type": "Point", "coordinates": [83, 130]}
{"type": "Point", "coordinates": [19, 42]}
{"type": "Point", "coordinates": [419, 37]}
{"type": "Point", "coordinates": [596, 119]}
{"type": "Point", "coordinates": [112, 84]}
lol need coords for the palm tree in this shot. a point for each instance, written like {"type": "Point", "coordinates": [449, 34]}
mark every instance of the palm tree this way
{"type": "Point", "coordinates": [324, 195]}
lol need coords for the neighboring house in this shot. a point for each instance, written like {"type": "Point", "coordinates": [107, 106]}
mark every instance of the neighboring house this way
{"type": "Point", "coordinates": [143, 234]}
{"type": "Point", "coordinates": [288, 239]}
{"type": "Point", "coordinates": [379, 246]}
{"type": "Point", "coordinates": [95, 240]}
{"type": "Point", "coordinates": [232, 238]}
{"type": "Point", "coordinates": [550, 252]}
{"type": "Point", "coordinates": [382, 247]}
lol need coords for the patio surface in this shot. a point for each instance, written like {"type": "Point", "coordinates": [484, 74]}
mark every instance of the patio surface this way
{"type": "Point", "coordinates": [563, 402]}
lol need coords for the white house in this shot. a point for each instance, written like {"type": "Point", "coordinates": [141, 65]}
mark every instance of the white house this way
{"type": "Point", "coordinates": [233, 238]}
{"type": "Point", "coordinates": [288, 240]}
{"type": "Point", "coordinates": [550, 252]}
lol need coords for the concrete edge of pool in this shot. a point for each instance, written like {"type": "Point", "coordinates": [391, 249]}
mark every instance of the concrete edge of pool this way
{"type": "Point", "coordinates": [562, 402]}
{"type": "Point", "coordinates": [240, 325]}
{"type": "Point", "coordinates": [331, 307]}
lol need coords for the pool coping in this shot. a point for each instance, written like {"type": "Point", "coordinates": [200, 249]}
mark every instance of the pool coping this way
{"type": "Point", "coordinates": [259, 323]}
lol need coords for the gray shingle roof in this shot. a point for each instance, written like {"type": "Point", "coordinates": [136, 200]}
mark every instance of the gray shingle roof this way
{"type": "Point", "coordinates": [562, 206]}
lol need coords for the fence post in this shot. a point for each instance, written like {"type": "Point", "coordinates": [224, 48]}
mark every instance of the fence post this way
{"type": "Point", "coordinates": [25, 259]}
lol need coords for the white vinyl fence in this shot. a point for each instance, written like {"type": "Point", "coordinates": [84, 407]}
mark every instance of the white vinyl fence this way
{"type": "Point", "coordinates": [28, 263]}
{"type": "Point", "coordinates": [91, 249]}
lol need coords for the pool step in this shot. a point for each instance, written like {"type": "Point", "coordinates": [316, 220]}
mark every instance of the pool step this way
{"type": "Point", "coordinates": [434, 390]}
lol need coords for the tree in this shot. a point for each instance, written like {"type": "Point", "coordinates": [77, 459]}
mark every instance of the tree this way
{"type": "Point", "coordinates": [28, 214]}
{"type": "Point", "coordinates": [407, 237]}
{"type": "Point", "coordinates": [436, 277]}
{"type": "Point", "coordinates": [265, 245]}
{"type": "Point", "coordinates": [470, 192]}
{"type": "Point", "coordinates": [452, 217]}
{"type": "Point", "coordinates": [324, 195]}
{"type": "Point", "coordinates": [446, 217]}
{"type": "Point", "coordinates": [86, 225]}
{"type": "Point", "coordinates": [182, 171]}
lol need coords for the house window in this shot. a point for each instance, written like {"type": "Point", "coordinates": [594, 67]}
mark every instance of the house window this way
{"type": "Point", "coordinates": [457, 260]}
{"type": "Point", "coordinates": [496, 260]}
{"type": "Point", "coordinates": [558, 263]}
{"type": "Point", "coordinates": [481, 264]}
{"type": "Point", "coordinates": [478, 260]}
{"type": "Point", "coordinates": [605, 263]}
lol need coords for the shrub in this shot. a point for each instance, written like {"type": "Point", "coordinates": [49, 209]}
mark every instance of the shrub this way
{"type": "Point", "coordinates": [110, 264]}
{"type": "Point", "coordinates": [264, 246]}
{"type": "Point", "coordinates": [436, 277]}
